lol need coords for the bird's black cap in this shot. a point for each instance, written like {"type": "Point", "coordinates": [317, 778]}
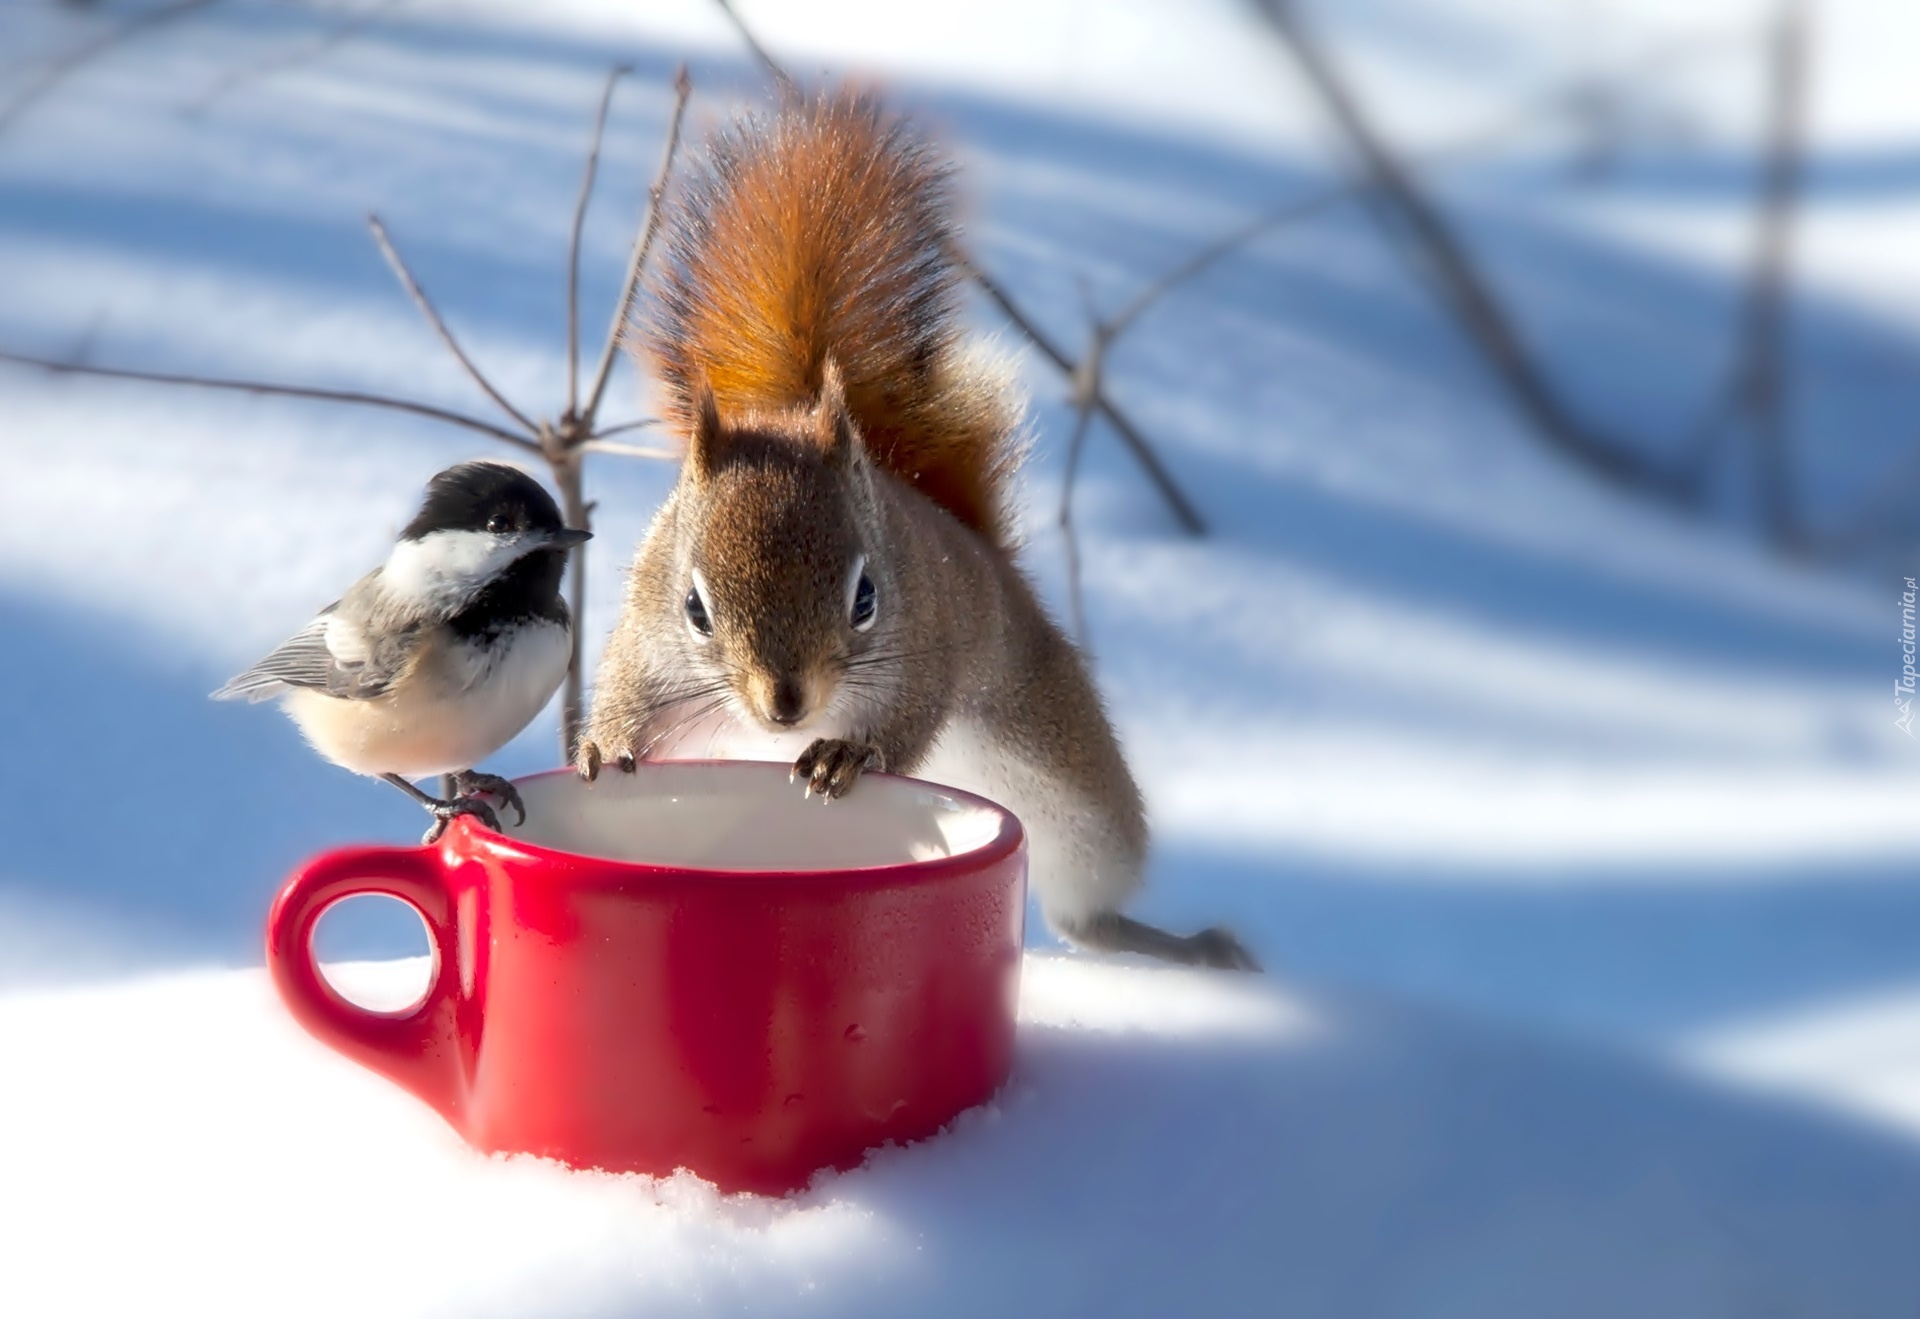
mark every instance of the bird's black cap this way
{"type": "Point", "coordinates": [481, 496]}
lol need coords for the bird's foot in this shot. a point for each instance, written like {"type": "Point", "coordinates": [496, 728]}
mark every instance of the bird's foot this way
{"type": "Point", "coordinates": [444, 811]}
{"type": "Point", "coordinates": [470, 783]}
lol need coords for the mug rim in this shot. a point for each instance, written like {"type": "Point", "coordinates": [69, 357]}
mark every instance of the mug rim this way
{"type": "Point", "coordinates": [467, 835]}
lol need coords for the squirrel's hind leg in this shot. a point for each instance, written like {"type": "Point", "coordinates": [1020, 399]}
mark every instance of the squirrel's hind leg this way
{"type": "Point", "coordinates": [1111, 932]}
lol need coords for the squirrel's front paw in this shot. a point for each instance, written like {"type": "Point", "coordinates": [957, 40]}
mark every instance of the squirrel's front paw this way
{"type": "Point", "coordinates": [831, 765]}
{"type": "Point", "coordinates": [587, 760]}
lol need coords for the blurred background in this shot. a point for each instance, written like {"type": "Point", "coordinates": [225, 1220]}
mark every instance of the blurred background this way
{"type": "Point", "coordinates": [1498, 464]}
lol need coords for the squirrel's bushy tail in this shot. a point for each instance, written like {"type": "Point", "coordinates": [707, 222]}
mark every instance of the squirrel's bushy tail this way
{"type": "Point", "coordinates": [823, 231]}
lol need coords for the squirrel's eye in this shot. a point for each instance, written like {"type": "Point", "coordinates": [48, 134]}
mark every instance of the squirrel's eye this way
{"type": "Point", "coordinates": [499, 524]}
{"type": "Point", "coordinates": [697, 613]}
{"type": "Point", "coordinates": [866, 604]}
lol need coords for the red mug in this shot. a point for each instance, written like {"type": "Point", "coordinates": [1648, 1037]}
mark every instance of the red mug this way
{"type": "Point", "coordinates": [692, 966]}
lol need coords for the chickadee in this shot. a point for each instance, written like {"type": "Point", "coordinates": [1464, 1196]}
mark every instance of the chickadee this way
{"type": "Point", "coordinates": [436, 659]}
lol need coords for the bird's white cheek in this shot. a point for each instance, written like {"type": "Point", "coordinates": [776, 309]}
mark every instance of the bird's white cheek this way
{"type": "Point", "coordinates": [446, 567]}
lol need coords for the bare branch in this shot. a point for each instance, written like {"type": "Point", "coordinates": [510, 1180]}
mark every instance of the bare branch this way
{"type": "Point", "coordinates": [1755, 389]}
{"type": "Point", "coordinates": [1524, 118]}
{"type": "Point", "coordinates": [1142, 450]}
{"type": "Point", "coordinates": [54, 71]}
{"type": "Point", "coordinates": [1086, 395]}
{"type": "Point", "coordinates": [1471, 299]}
{"type": "Point", "coordinates": [642, 247]}
{"type": "Point", "coordinates": [412, 286]}
{"type": "Point", "coordinates": [569, 476]}
{"type": "Point", "coordinates": [644, 423]}
{"type": "Point", "coordinates": [1764, 380]}
{"type": "Point", "coordinates": [1083, 418]}
{"type": "Point", "coordinates": [780, 75]}
{"type": "Point", "coordinates": [1298, 209]}
{"type": "Point", "coordinates": [625, 450]}
{"type": "Point", "coordinates": [573, 242]}
{"type": "Point", "coordinates": [284, 391]}
{"type": "Point", "coordinates": [562, 443]}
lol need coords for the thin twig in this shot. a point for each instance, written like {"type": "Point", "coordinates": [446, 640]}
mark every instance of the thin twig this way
{"type": "Point", "coordinates": [567, 443]}
{"type": "Point", "coordinates": [1469, 296]}
{"type": "Point", "coordinates": [780, 75]}
{"type": "Point", "coordinates": [287, 391]}
{"type": "Point", "coordinates": [1086, 391]}
{"type": "Point", "coordinates": [1298, 209]}
{"type": "Point", "coordinates": [644, 423]}
{"type": "Point", "coordinates": [1523, 119]}
{"type": "Point", "coordinates": [1756, 383]}
{"type": "Point", "coordinates": [420, 300]}
{"type": "Point", "coordinates": [563, 443]}
{"type": "Point", "coordinates": [1123, 426]}
{"type": "Point", "coordinates": [642, 246]}
{"type": "Point", "coordinates": [1765, 378]}
{"type": "Point", "coordinates": [569, 473]}
{"type": "Point", "coordinates": [60, 67]}
{"type": "Point", "coordinates": [573, 242]}
{"type": "Point", "coordinates": [625, 450]}
{"type": "Point", "coordinates": [1083, 418]}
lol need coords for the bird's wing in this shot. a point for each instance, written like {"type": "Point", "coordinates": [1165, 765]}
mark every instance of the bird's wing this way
{"type": "Point", "coordinates": [329, 655]}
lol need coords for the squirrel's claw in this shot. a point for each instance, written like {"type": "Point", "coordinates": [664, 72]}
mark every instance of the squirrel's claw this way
{"type": "Point", "coordinates": [587, 761]}
{"type": "Point", "coordinates": [831, 766]}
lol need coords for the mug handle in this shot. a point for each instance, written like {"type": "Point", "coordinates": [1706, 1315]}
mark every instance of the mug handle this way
{"type": "Point", "coordinates": [420, 1047]}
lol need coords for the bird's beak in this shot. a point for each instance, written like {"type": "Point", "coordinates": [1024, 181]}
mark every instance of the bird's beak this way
{"type": "Point", "coordinates": [568, 538]}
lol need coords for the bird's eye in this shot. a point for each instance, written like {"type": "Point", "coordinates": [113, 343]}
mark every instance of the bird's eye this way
{"type": "Point", "coordinates": [499, 524]}
{"type": "Point", "coordinates": [697, 613]}
{"type": "Point", "coordinates": [866, 604]}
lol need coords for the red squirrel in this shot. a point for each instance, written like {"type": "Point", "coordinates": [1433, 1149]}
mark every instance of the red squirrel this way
{"type": "Point", "coordinates": [833, 576]}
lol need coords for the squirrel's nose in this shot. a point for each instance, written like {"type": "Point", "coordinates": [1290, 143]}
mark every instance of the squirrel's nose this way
{"type": "Point", "coordinates": [788, 701]}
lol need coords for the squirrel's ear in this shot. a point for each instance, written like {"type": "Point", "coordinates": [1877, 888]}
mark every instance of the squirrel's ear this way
{"type": "Point", "coordinates": [703, 442]}
{"type": "Point", "coordinates": [833, 423]}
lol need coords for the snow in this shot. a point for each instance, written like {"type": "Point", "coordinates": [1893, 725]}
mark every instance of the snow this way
{"type": "Point", "coordinates": [1172, 1143]}
{"type": "Point", "coordinates": [1860, 1055]}
{"type": "Point", "coordinates": [1575, 832]}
